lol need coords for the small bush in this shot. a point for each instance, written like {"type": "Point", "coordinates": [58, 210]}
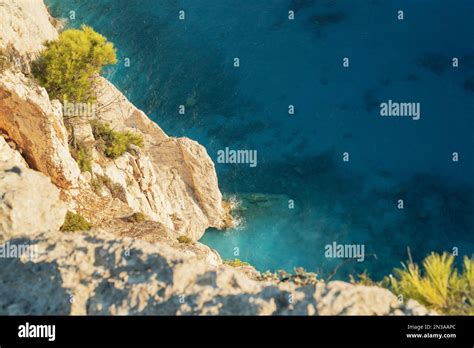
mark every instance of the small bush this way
{"type": "Point", "coordinates": [137, 217]}
{"type": "Point", "coordinates": [236, 263]}
{"type": "Point", "coordinates": [185, 240]}
{"type": "Point", "coordinates": [83, 156]}
{"type": "Point", "coordinates": [97, 185]}
{"type": "Point", "coordinates": [5, 62]}
{"type": "Point", "coordinates": [129, 181]}
{"type": "Point", "coordinates": [114, 144]}
{"type": "Point", "coordinates": [67, 66]}
{"type": "Point", "coordinates": [438, 285]}
{"type": "Point", "coordinates": [364, 279]}
{"type": "Point", "coordinates": [75, 222]}
{"type": "Point", "coordinates": [116, 190]}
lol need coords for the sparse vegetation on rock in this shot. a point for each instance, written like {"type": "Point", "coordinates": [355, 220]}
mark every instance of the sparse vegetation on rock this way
{"type": "Point", "coordinates": [82, 153]}
{"type": "Point", "coordinates": [75, 222]}
{"type": "Point", "coordinates": [236, 263]}
{"type": "Point", "coordinates": [97, 185]}
{"type": "Point", "coordinates": [113, 143]}
{"type": "Point", "coordinates": [116, 190]}
{"type": "Point", "coordinates": [137, 217]}
{"type": "Point", "coordinates": [185, 240]}
{"type": "Point", "coordinates": [438, 284]}
{"type": "Point", "coordinates": [365, 279]}
{"type": "Point", "coordinates": [67, 66]}
{"type": "Point", "coordinates": [5, 62]}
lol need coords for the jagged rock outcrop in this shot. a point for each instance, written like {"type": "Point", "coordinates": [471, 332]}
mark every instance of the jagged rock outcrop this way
{"type": "Point", "coordinates": [25, 25]}
{"type": "Point", "coordinates": [98, 272]}
{"type": "Point", "coordinates": [122, 266]}
{"type": "Point", "coordinates": [35, 125]}
{"type": "Point", "coordinates": [172, 181]}
{"type": "Point", "coordinates": [27, 116]}
{"type": "Point", "coordinates": [29, 202]}
{"type": "Point", "coordinates": [176, 176]}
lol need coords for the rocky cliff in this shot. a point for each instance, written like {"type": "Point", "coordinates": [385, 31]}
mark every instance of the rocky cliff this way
{"type": "Point", "coordinates": [121, 266]}
{"type": "Point", "coordinates": [172, 181]}
{"type": "Point", "coordinates": [97, 272]}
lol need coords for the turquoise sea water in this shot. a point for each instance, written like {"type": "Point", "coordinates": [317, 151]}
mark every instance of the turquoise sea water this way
{"type": "Point", "coordinates": [337, 110]}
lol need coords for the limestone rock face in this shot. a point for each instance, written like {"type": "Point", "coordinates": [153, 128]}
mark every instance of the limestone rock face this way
{"type": "Point", "coordinates": [24, 26]}
{"type": "Point", "coordinates": [156, 233]}
{"type": "Point", "coordinates": [106, 275]}
{"type": "Point", "coordinates": [176, 177]}
{"type": "Point", "coordinates": [27, 116]}
{"type": "Point", "coordinates": [35, 124]}
{"type": "Point", "coordinates": [172, 181]}
{"type": "Point", "coordinates": [29, 202]}
{"type": "Point", "coordinates": [123, 267]}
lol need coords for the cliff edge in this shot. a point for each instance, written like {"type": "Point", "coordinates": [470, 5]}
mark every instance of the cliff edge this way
{"type": "Point", "coordinates": [172, 181]}
{"type": "Point", "coordinates": [121, 266]}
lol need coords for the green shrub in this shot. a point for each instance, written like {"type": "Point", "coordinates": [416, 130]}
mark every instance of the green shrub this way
{"type": "Point", "coordinates": [5, 61]}
{"type": "Point", "coordinates": [364, 279]}
{"type": "Point", "coordinates": [114, 143]}
{"type": "Point", "coordinates": [97, 185]}
{"type": "Point", "coordinates": [438, 285]}
{"type": "Point", "coordinates": [67, 66]}
{"type": "Point", "coordinates": [129, 181]}
{"type": "Point", "coordinates": [83, 156]}
{"type": "Point", "coordinates": [185, 240]}
{"type": "Point", "coordinates": [116, 190]}
{"type": "Point", "coordinates": [75, 222]}
{"type": "Point", "coordinates": [236, 263]}
{"type": "Point", "coordinates": [137, 217]}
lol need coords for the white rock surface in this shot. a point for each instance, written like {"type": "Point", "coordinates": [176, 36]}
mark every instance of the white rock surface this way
{"type": "Point", "coordinates": [98, 272]}
{"type": "Point", "coordinates": [105, 275]}
{"type": "Point", "coordinates": [177, 178]}
{"type": "Point", "coordinates": [35, 124]}
{"type": "Point", "coordinates": [173, 180]}
{"type": "Point", "coordinates": [26, 25]}
{"type": "Point", "coordinates": [29, 202]}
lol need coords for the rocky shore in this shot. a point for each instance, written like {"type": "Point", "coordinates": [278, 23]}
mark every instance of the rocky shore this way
{"type": "Point", "coordinates": [122, 266]}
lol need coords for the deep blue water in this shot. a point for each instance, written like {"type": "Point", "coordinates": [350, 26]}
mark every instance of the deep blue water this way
{"type": "Point", "coordinates": [300, 156]}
